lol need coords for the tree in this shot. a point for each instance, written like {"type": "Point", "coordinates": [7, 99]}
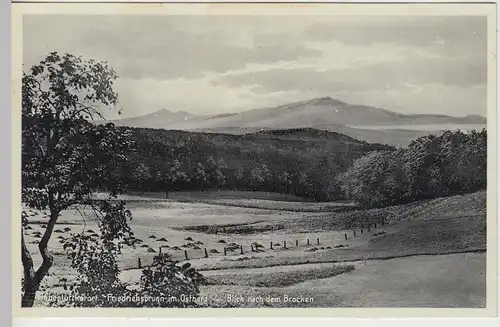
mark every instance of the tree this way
{"type": "Point", "coordinates": [469, 163]}
{"type": "Point", "coordinates": [142, 175]}
{"type": "Point", "coordinates": [239, 176]}
{"type": "Point", "coordinates": [285, 182]}
{"type": "Point", "coordinates": [66, 158]}
{"type": "Point", "coordinates": [321, 176]}
{"type": "Point", "coordinates": [200, 176]}
{"type": "Point", "coordinates": [364, 180]}
{"type": "Point", "coordinates": [257, 178]}
{"type": "Point", "coordinates": [173, 175]}
{"type": "Point", "coordinates": [266, 175]}
{"type": "Point", "coordinates": [432, 166]}
{"type": "Point", "coordinates": [215, 172]}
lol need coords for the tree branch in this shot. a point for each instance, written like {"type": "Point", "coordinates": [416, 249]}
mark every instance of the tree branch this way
{"type": "Point", "coordinates": [83, 218]}
{"type": "Point", "coordinates": [44, 92]}
{"type": "Point", "coordinates": [44, 242]}
{"type": "Point", "coordinates": [88, 109]}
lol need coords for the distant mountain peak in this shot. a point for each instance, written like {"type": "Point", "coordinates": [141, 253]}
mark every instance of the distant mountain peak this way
{"type": "Point", "coordinates": [167, 113]}
{"type": "Point", "coordinates": [158, 113]}
{"type": "Point", "coordinates": [333, 114]}
{"type": "Point", "coordinates": [326, 101]}
{"type": "Point", "coordinates": [182, 112]}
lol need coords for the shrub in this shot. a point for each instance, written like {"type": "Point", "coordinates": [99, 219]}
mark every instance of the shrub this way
{"type": "Point", "coordinates": [163, 284]}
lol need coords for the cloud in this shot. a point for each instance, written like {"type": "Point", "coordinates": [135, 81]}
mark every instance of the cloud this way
{"type": "Point", "coordinates": [147, 95]}
{"type": "Point", "coordinates": [215, 64]}
{"type": "Point", "coordinates": [460, 71]}
{"type": "Point", "coordinates": [403, 30]}
{"type": "Point", "coordinates": [431, 98]}
{"type": "Point", "coordinates": [156, 47]}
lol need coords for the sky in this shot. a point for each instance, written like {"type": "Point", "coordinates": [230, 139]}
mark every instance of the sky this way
{"type": "Point", "coordinates": [219, 64]}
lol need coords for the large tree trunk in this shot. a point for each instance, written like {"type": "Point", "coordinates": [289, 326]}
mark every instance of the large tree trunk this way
{"type": "Point", "coordinates": [33, 279]}
{"type": "Point", "coordinates": [29, 283]}
{"type": "Point", "coordinates": [28, 298]}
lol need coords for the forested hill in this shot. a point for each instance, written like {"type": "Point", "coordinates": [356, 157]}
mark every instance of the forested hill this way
{"type": "Point", "coordinates": [300, 161]}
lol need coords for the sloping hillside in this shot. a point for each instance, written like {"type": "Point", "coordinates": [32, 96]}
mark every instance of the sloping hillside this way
{"type": "Point", "coordinates": [393, 137]}
{"type": "Point", "coordinates": [319, 154]}
{"type": "Point", "coordinates": [454, 224]}
{"type": "Point", "coordinates": [281, 148]}
{"type": "Point", "coordinates": [453, 207]}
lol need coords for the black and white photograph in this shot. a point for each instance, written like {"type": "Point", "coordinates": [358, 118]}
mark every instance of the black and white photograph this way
{"type": "Point", "coordinates": [285, 160]}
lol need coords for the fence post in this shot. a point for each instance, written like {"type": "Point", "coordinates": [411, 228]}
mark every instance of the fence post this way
{"type": "Point", "coordinates": [139, 262]}
{"type": "Point", "coordinates": [241, 249]}
{"type": "Point", "coordinates": [284, 244]}
{"type": "Point", "coordinates": [224, 250]}
{"type": "Point", "coordinates": [361, 231]}
{"type": "Point", "coordinates": [296, 242]}
{"type": "Point", "coordinates": [186, 254]}
{"type": "Point", "coordinates": [345, 236]}
{"type": "Point", "coordinates": [271, 245]}
{"type": "Point", "coordinates": [159, 249]}
{"type": "Point", "coordinates": [308, 242]}
{"type": "Point", "coordinates": [317, 240]}
{"type": "Point", "coordinates": [354, 232]}
{"type": "Point", "coordinates": [206, 252]}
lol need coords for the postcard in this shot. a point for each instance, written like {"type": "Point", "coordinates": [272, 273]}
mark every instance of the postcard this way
{"type": "Point", "coordinates": [326, 160]}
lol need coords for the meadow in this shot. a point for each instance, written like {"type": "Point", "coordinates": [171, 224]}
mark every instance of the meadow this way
{"type": "Point", "coordinates": [282, 246]}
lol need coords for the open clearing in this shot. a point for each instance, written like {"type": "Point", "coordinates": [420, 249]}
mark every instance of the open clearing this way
{"type": "Point", "coordinates": [188, 226]}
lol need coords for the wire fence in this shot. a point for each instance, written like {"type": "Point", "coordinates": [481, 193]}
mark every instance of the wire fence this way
{"type": "Point", "coordinates": [195, 251]}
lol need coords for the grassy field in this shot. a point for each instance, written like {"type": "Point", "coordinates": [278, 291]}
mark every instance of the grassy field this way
{"type": "Point", "coordinates": [277, 278]}
{"type": "Point", "coordinates": [436, 227]}
{"type": "Point", "coordinates": [442, 281]}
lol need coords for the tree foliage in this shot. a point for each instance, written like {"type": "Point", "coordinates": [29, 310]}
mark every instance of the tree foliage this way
{"type": "Point", "coordinates": [65, 157]}
{"type": "Point", "coordinates": [67, 160]}
{"type": "Point", "coordinates": [301, 162]}
{"type": "Point", "coordinates": [165, 283]}
{"type": "Point", "coordinates": [432, 166]}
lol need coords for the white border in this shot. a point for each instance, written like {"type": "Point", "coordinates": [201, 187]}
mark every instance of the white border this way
{"type": "Point", "coordinates": [225, 322]}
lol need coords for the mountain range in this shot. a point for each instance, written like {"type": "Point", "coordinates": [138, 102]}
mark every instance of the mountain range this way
{"type": "Point", "coordinates": [365, 123]}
